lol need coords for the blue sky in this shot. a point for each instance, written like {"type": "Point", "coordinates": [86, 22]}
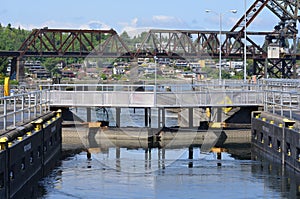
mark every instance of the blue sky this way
{"type": "Point", "coordinates": [129, 15]}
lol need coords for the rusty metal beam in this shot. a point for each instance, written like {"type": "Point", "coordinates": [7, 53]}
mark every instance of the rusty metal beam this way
{"type": "Point", "coordinates": [69, 42]}
{"type": "Point", "coordinates": [196, 44]}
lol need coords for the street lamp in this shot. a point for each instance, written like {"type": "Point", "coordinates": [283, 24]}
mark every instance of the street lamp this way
{"type": "Point", "coordinates": [245, 44]}
{"type": "Point", "coordinates": [155, 78]}
{"type": "Point", "coordinates": [220, 45]}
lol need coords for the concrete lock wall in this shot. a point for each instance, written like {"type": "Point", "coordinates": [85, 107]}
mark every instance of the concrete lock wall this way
{"type": "Point", "coordinates": [27, 154]}
{"type": "Point", "coordinates": [276, 137]}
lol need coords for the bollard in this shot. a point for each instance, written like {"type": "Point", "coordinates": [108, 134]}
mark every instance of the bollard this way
{"type": "Point", "coordinates": [38, 124]}
{"type": "Point", "coordinates": [3, 141]}
{"type": "Point", "coordinates": [289, 152]}
{"type": "Point", "coordinates": [58, 113]}
{"type": "Point", "coordinates": [279, 149]}
{"type": "Point", "coordinates": [9, 144]}
{"type": "Point", "coordinates": [256, 114]}
{"type": "Point", "coordinates": [289, 123]}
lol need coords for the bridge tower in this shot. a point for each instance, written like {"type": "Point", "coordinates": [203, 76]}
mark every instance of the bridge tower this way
{"type": "Point", "coordinates": [280, 46]}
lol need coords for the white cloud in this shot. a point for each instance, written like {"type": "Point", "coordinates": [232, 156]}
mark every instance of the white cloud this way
{"type": "Point", "coordinates": [64, 25]}
{"type": "Point", "coordinates": [137, 26]}
{"type": "Point", "coordinates": [133, 27]}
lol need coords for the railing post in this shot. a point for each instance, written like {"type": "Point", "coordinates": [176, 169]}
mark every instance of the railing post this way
{"type": "Point", "coordinates": [22, 108]}
{"type": "Point", "coordinates": [5, 114]}
{"type": "Point", "coordinates": [291, 115]}
{"type": "Point", "coordinates": [29, 105]}
{"type": "Point", "coordinates": [48, 98]}
{"type": "Point", "coordinates": [40, 102]}
{"type": "Point", "coordinates": [15, 111]}
{"type": "Point", "coordinates": [35, 105]}
{"type": "Point", "coordinates": [281, 105]}
{"type": "Point", "coordinates": [273, 101]}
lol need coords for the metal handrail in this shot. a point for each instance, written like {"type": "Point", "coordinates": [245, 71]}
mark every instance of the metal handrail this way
{"type": "Point", "coordinates": [283, 103]}
{"type": "Point", "coordinates": [22, 107]}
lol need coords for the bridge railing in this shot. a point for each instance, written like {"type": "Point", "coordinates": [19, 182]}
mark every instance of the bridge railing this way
{"type": "Point", "coordinates": [283, 103]}
{"type": "Point", "coordinates": [292, 85]}
{"type": "Point", "coordinates": [223, 98]}
{"type": "Point", "coordinates": [152, 96]}
{"type": "Point", "coordinates": [19, 108]}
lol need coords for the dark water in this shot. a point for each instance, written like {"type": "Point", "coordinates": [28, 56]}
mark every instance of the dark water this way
{"type": "Point", "coordinates": [167, 173]}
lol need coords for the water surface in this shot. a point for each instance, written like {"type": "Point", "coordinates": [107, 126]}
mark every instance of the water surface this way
{"type": "Point", "coordinates": [169, 173]}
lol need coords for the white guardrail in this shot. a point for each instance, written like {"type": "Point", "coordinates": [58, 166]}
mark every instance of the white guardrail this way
{"type": "Point", "coordinates": [284, 103]}
{"type": "Point", "coordinates": [23, 107]}
{"type": "Point", "coordinates": [277, 96]}
{"type": "Point", "coordinates": [182, 95]}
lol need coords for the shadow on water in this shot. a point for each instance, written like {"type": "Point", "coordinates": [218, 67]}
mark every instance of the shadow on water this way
{"type": "Point", "coordinates": [280, 178]}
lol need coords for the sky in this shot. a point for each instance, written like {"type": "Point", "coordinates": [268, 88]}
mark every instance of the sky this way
{"type": "Point", "coordinates": [132, 16]}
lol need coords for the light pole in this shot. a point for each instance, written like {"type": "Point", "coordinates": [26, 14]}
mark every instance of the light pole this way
{"type": "Point", "coordinates": [245, 44]}
{"type": "Point", "coordinates": [220, 44]}
{"type": "Point", "coordinates": [155, 77]}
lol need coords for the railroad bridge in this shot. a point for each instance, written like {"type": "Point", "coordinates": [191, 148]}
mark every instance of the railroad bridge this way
{"type": "Point", "coordinates": [180, 44]}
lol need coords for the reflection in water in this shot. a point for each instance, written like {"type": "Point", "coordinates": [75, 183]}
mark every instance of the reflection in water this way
{"type": "Point", "coordinates": [119, 172]}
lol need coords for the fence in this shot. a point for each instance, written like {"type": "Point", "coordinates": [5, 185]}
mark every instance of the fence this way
{"type": "Point", "coordinates": [23, 107]}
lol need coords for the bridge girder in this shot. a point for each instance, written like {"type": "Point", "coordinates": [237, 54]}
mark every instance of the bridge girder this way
{"type": "Point", "coordinates": [178, 44]}
{"type": "Point", "coordinates": [200, 44]}
{"type": "Point", "coordinates": [71, 43]}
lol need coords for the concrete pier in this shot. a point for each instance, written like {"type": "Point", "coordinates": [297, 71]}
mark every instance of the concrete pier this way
{"type": "Point", "coordinates": [28, 153]}
{"type": "Point", "coordinates": [277, 138]}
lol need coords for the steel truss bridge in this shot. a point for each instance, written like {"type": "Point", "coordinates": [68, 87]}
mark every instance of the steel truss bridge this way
{"type": "Point", "coordinates": [179, 44]}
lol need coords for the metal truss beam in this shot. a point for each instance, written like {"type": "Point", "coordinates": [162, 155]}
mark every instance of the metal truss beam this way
{"type": "Point", "coordinates": [199, 44]}
{"type": "Point", "coordinates": [276, 68]}
{"type": "Point", "coordinates": [71, 43]}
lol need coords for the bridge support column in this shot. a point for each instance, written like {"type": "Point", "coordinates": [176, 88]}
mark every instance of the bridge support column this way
{"type": "Point", "coordinates": [88, 114]}
{"type": "Point", "coordinates": [150, 125]}
{"type": "Point", "coordinates": [148, 158]}
{"type": "Point", "coordinates": [161, 117]}
{"type": "Point", "coordinates": [20, 73]}
{"type": "Point", "coordinates": [161, 154]}
{"type": "Point", "coordinates": [118, 117]}
{"type": "Point", "coordinates": [191, 117]}
{"type": "Point", "coordinates": [118, 160]}
{"type": "Point", "coordinates": [191, 155]}
{"type": "Point", "coordinates": [163, 122]}
{"type": "Point", "coordinates": [17, 69]}
{"type": "Point", "coordinates": [219, 114]}
{"type": "Point", "coordinates": [146, 117]}
{"type": "Point", "coordinates": [13, 68]}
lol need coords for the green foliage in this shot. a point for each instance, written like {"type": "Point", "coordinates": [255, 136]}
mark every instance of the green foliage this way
{"type": "Point", "coordinates": [211, 72]}
{"type": "Point", "coordinates": [103, 76]}
{"type": "Point", "coordinates": [12, 38]}
{"type": "Point", "coordinates": [116, 77]}
{"type": "Point", "coordinates": [11, 82]}
{"type": "Point", "coordinates": [51, 65]}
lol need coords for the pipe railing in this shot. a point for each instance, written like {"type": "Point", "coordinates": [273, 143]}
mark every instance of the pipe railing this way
{"type": "Point", "coordinates": [23, 107]}
{"type": "Point", "coordinates": [283, 103]}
